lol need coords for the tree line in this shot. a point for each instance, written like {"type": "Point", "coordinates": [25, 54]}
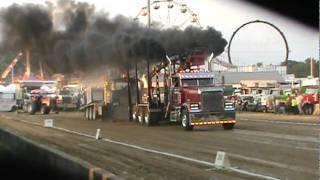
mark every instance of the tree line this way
{"type": "Point", "coordinates": [302, 68]}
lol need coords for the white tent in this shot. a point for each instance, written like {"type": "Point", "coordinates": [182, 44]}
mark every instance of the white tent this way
{"type": "Point", "coordinates": [8, 89]}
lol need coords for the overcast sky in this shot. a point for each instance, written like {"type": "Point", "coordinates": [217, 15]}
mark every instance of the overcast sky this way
{"type": "Point", "coordinates": [254, 43]}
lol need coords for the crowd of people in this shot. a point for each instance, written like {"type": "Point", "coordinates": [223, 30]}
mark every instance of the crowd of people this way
{"type": "Point", "coordinates": [294, 103]}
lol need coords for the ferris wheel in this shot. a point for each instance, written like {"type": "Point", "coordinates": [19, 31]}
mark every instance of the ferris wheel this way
{"type": "Point", "coordinates": [168, 14]}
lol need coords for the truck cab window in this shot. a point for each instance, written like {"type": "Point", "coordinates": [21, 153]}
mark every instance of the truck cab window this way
{"type": "Point", "coordinates": [206, 82]}
{"type": "Point", "coordinates": [189, 82]}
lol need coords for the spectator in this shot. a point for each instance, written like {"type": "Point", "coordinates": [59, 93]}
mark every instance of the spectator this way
{"type": "Point", "coordinates": [299, 102]}
{"type": "Point", "coordinates": [288, 104]}
{"type": "Point", "coordinates": [294, 105]}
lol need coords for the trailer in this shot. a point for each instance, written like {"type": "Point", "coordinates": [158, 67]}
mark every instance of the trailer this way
{"type": "Point", "coordinates": [95, 102]}
{"type": "Point", "coordinates": [178, 90]}
{"type": "Point", "coordinates": [99, 99]}
{"type": "Point", "coordinates": [8, 97]}
{"type": "Point", "coordinates": [69, 97]}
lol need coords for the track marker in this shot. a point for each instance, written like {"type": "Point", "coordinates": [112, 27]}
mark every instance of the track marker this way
{"type": "Point", "coordinates": [222, 160]}
{"type": "Point", "coordinates": [98, 134]}
{"type": "Point", "coordinates": [48, 123]}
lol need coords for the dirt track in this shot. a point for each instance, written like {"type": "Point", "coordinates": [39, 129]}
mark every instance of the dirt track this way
{"type": "Point", "coordinates": [283, 150]}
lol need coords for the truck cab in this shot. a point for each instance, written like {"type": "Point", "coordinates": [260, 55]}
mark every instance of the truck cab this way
{"type": "Point", "coordinates": [198, 99]}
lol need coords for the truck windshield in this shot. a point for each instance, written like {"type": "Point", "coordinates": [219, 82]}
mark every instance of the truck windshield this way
{"type": "Point", "coordinates": [276, 93]}
{"type": "Point", "coordinates": [197, 82]}
{"type": "Point", "coordinates": [189, 82]}
{"type": "Point", "coordinates": [65, 92]}
{"type": "Point", "coordinates": [206, 82]}
{"type": "Point", "coordinates": [311, 91]}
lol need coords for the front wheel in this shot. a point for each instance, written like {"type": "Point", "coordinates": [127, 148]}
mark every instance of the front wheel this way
{"type": "Point", "coordinates": [228, 126]}
{"type": "Point", "coordinates": [264, 109]}
{"type": "Point", "coordinates": [150, 119]}
{"type": "Point", "coordinates": [32, 108]}
{"type": "Point", "coordinates": [43, 109]}
{"type": "Point", "coordinates": [185, 121]}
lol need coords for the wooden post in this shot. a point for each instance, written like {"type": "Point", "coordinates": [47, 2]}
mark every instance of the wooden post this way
{"type": "Point", "coordinates": [28, 66]}
{"type": "Point", "coordinates": [137, 85]}
{"type": "Point", "coordinates": [129, 94]}
{"type": "Point", "coordinates": [41, 71]}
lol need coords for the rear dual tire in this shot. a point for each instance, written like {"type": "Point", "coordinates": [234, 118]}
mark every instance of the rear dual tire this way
{"type": "Point", "coordinates": [90, 113]}
{"type": "Point", "coordinates": [45, 109]}
{"type": "Point", "coordinates": [144, 119]}
{"type": "Point", "coordinates": [32, 108]}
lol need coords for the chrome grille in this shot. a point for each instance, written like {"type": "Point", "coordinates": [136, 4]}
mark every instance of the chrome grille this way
{"type": "Point", "coordinates": [66, 99]}
{"type": "Point", "coordinates": [212, 101]}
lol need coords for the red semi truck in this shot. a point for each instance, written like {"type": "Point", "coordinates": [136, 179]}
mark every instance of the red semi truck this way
{"type": "Point", "coordinates": [310, 99]}
{"type": "Point", "coordinates": [311, 95]}
{"type": "Point", "coordinates": [181, 92]}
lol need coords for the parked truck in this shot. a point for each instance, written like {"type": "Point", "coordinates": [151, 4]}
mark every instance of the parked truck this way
{"type": "Point", "coordinates": [36, 96]}
{"type": "Point", "coordinates": [311, 89]}
{"type": "Point", "coordinates": [179, 91]}
{"type": "Point", "coordinates": [310, 99]}
{"type": "Point", "coordinates": [69, 97]}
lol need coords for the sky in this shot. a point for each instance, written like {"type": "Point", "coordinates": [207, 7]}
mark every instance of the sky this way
{"type": "Point", "coordinates": [253, 43]}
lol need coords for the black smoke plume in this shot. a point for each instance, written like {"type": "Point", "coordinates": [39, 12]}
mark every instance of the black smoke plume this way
{"type": "Point", "coordinates": [93, 40]}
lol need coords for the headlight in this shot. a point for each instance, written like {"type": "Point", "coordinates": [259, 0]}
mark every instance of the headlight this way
{"type": "Point", "coordinates": [228, 105]}
{"type": "Point", "coordinates": [194, 106]}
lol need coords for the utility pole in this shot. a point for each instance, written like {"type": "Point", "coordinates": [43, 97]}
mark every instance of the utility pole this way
{"type": "Point", "coordinates": [28, 66]}
{"type": "Point", "coordinates": [311, 66]}
{"type": "Point", "coordinates": [129, 94]}
{"type": "Point", "coordinates": [137, 84]}
{"type": "Point", "coordinates": [41, 71]}
{"type": "Point", "coordinates": [148, 57]}
{"type": "Point", "coordinates": [12, 75]}
{"type": "Point", "coordinates": [149, 15]}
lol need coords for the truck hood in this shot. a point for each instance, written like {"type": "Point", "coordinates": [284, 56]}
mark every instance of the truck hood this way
{"type": "Point", "coordinates": [192, 94]}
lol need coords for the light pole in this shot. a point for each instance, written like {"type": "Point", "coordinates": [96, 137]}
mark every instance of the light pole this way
{"type": "Point", "coordinates": [311, 67]}
{"type": "Point", "coordinates": [12, 75]}
{"type": "Point", "coordinates": [148, 58]}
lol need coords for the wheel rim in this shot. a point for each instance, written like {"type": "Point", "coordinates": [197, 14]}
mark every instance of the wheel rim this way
{"type": "Point", "coordinates": [90, 114]}
{"type": "Point", "coordinates": [140, 119]}
{"type": "Point", "coordinates": [29, 108]}
{"type": "Point", "coordinates": [184, 120]}
{"type": "Point", "coordinates": [146, 119]}
{"type": "Point", "coordinates": [134, 117]}
{"type": "Point", "coordinates": [93, 114]}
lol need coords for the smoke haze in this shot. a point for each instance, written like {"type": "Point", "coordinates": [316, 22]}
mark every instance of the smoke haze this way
{"type": "Point", "coordinates": [93, 40]}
